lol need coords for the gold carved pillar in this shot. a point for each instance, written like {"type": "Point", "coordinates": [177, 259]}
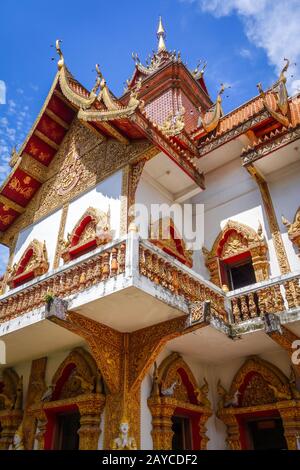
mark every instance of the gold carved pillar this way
{"type": "Point", "coordinates": [233, 430]}
{"type": "Point", "coordinates": [272, 220]}
{"type": "Point", "coordinates": [41, 428]}
{"type": "Point", "coordinates": [260, 262]}
{"type": "Point", "coordinates": [10, 421]}
{"type": "Point", "coordinates": [90, 417]}
{"type": "Point", "coordinates": [203, 429]}
{"type": "Point", "coordinates": [36, 388]}
{"type": "Point", "coordinates": [162, 410]}
{"type": "Point", "coordinates": [290, 415]}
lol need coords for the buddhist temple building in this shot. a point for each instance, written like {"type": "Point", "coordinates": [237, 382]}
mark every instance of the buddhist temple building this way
{"type": "Point", "coordinates": [117, 340]}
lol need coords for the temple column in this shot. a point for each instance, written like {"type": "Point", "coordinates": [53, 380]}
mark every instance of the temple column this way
{"type": "Point", "coordinates": [233, 429]}
{"type": "Point", "coordinates": [41, 428]}
{"type": "Point", "coordinates": [10, 421]}
{"type": "Point", "coordinates": [290, 415]}
{"type": "Point", "coordinates": [162, 410]}
{"type": "Point", "coordinates": [90, 417]}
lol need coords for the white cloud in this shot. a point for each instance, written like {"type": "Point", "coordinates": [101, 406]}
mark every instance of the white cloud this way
{"type": "Point", "coordinates": [14, 125]}
{"type": "Point", "coordinates": [34, 87]}
{"type": "Point", "coordinates": [271, 25]}
{"type": "Point", "coordinates": [245, 53]}
{"type": "Point", "coordinates": [2, 92]}
{"type": "Point", "coordinates": [4, 252]}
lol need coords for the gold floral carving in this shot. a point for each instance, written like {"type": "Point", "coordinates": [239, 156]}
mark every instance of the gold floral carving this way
{"type": "Point", "coordinates": [234, 239]}
{"type": "Point", "coordinates": [37, 262]}
{"type": "Point", "coordinates": [21, 188]}
{"type": "Point", "coordinates": [10, 421]}
{"type": "Point", "coordinates": [123, 373]}
{"type": "Point", "coordinates": [11, 406]}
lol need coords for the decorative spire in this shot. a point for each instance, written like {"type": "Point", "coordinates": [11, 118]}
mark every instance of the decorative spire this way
{"type": "Point", "coordinates": [161, 35]}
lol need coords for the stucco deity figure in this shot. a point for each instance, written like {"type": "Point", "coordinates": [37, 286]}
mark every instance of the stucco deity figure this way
{"type": "Point", "coordinates": [18, 440]}
{"type": "Point", "coordinates": [124, 441]}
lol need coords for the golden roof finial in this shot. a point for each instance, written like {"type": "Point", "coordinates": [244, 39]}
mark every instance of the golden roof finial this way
{"type": "Point", "coordinates": [61, 61]}
{"type": "Point", "coordinates": [161, 35]}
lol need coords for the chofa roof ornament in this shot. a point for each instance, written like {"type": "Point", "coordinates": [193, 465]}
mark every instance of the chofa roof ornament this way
{"type": "Point", "coordinates": [198, 72]}
{"type": "Point", "coordinates": [211, 118]}
{"type": "Point", "coordinates": [279, 91]}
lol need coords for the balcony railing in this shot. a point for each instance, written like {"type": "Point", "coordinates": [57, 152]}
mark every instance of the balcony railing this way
{"type": "Point", "coordinates": [76, 276]}
{"type": "Point", "coordinates": [164, 270]}
{"type": "Point", "coordinates": [273, 296]}
{"type": "Point", "coordinates": [137, 259]}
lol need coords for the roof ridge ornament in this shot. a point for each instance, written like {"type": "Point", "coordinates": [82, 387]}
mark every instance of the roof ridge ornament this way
{"type": "Point", "coordinates": [280, 93]}
{"type": "Point", "coordinates": [198, 72]}
{"type": "Point", "coordinates": [161, 36]}
{"type": "Point", "coordinates": [210, 119]}
{"type": "Point", "coordinates": [61, 61]}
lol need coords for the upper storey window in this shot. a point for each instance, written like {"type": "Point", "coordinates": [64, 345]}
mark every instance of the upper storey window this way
{"type": "Point", "coordinates": [33, 263]}
{"type": "Point", "coordinates": [238, 257]}
{"type": "Point", "coordinates": [164, 235]}
{"type": "Point", "coordinates": [92, 229]}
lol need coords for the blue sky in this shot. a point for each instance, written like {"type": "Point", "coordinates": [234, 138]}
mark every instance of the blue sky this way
{"type": "Point", "coordinates": [243, 41]}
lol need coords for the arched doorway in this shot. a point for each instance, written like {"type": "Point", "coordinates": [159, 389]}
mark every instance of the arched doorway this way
{"type": "Point", "coordinates": [68, 416]}
{"type": "Point", "coordinates": [261, 409]}
{"type": "Point", "coordinates": [179, 407]}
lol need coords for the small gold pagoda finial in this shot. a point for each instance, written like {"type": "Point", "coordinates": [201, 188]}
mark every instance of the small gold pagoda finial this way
{"type": "Point", "coordinates": [161, 35]}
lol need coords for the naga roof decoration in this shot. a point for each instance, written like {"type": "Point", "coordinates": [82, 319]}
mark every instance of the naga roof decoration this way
{"type": "Point", "coordinates": [279, 91]}
{"type": "Point", "coordinates": [198, 72]}
{"type": "Point", "coordinates": [211, 118]}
